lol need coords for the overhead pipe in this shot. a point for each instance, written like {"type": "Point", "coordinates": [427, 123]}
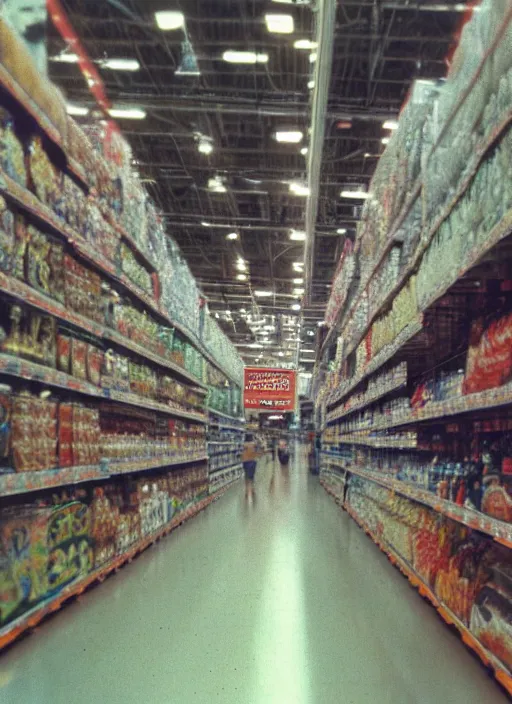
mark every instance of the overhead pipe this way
{"type": "Point", "coordinates": [325, 44]}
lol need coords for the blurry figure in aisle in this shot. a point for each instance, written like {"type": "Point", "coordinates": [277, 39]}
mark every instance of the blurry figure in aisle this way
{"type": "Point", "coordinates": [29, 19]}
{"type": "Point", "coordinates": [283, 452]}
{"type": "Point", "coordinates": [273, 447]}
{"type": "Point", "coordinates": [249, 462]}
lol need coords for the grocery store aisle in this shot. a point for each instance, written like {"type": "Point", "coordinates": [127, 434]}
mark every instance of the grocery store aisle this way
{"type": "Point", "coordinates": [282, 601]}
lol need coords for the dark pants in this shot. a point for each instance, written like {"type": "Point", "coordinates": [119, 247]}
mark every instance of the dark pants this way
{"type": "Point", "coordinates": [249, 469]}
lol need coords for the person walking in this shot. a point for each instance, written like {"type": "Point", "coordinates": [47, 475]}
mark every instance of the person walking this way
{"type": "Point", "coordinates": [249, 461]}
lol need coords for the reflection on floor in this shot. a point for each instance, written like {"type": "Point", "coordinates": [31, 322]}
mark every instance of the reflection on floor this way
{"type": "Point", "coordinates": [277, 600]}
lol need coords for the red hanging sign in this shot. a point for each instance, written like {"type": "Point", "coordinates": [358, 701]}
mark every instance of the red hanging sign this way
{"type": "Point", "coordinates": [88, 69]}
{"type": "Point", "coordinates": [269, 389]}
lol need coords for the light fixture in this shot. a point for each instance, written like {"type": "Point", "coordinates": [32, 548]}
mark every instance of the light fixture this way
{"type": "Point", "coordinates": [205, 146]}
{"type": "Point", "coordinates": [280, 354]}
{"type": "Point", "coordinates": [297, 235]}
{"type": "Point", "coordinates": [296, 306]}
{"type": "Point", "coordinates": [120, 64]}
{"type": "Point", "coordinates": [76, 110]}
{"type": "Point", "coordinates": [127, 113]}
{"type": "Point", "coordinates": [241, 277]}
{"type": "Point", "coordinates": [298, 291]}
{"type": "Point", "coordinates": [290, 136]}
{"type": "Point", "coordinates": [298, 267]}
{"type": "Point", "coordinates": [385, 140]}
{"type": "Point", "coordinates": [311, 85]}
{"type": "Point", "coordinates": [263, 294]}
{"type": "Point", "coordinates": [244, 57]}
{"type": "Point", "coordinates": [65, 58]}
{"type": "Point", "coordinates": [304, 151]}
{"type": "Point", "coordinates": [341, 231]}
{"type": "Point", "coordinates": [305, 44]}
{"type": "Point", "coordinates": [232, 236]}
{"type": "Point", "coordinates": [169, 19]}
{"type": "Point", "coordinates": [243, 311]}
{"type": "Point", "coordinates": [390, 125]}
{"type": "Point", "coordinates": [361, 195]}
{"type": "Point", "coordinates": [189, 65]}
{"type": "Point", "coordinates": [367, 155]}
{"type": "Point", "coordinates": [312, 57]}
{"type": "Point", "coordinates": [205, 224]}
{"type": "Point", "coordinates": [215, 185]}
{"type": "Point", "coordinates": [241, 265]}
{"type": "Point", "coordinates": [299, 189]}
{"type": "Point", "coordinates": [311, 333]}
{"type": "Point", "coordinates": [298, 281]}
{"type": "Point", "coordinates": [279, 24]}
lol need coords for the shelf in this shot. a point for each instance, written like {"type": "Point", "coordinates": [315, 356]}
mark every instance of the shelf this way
{"type": "Point", "coordinates": [500, 531]}
{"type": "Point", "coordinates": [394, 386]}
{"type": "Point", "coordinates": [30, 203]}
{"type": "Point", "coordinates": [223, 469]}
{"type": "Point", "coordinates": [31, 619]}
{"type": "Point", "coordinates": [26, 482]}
{"type": "Point", "coordinates": [221, 442]}
{"type": "Point", "coordinates": [224, 415]}
{"type": "Point", "coordinates": [385, 355]}
{"type": "Point", "coordinates": [16, 483]}
{"type": "Point", "coordinates": [30, 371]}
{"type": "Point", "coordinates": [26, 294]}
{"type": "Point", "coordinates": [117, 468]}
{"type": "Point", "coordinates": [478, 154]}
{"type": "Point", "coordinates": [31, 107]}
{"type": "Point", "coordinates": [437, 410]}
{"type": "Point", "coordinates": [488, 659]}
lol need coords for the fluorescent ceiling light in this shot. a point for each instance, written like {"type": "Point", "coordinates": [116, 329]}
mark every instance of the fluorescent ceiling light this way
{"type": "Point", "coordinates": [305, 44]}
{"type": "Point", "coordinates": [298, 281]}
{"type": "Point", "coordinates": [354, 194]}
{"type": "Point", "coordinates": [308, 352]}
{"type": "Point", "coordinates": [296, 306]}
{"type": "Point", "coordinates": [205, 146]}
{"type": "Point", "coordinates": [290, 136]}
{"type": "Point", "coordinates": [280, 24]}
{"type": "Point", "coordinates": [232, 236]}
{"type": "Point", "coordinates": [341, 231]}
{"type": "Point", "coordinates": [304, 151]}
{"type": "Point", "coordinates": [65, 58]}
{"type": "Point", "coordinates": [243, 311]}
{"type": "Point", "coordinates": [244, 57]}
{"type": "Point", "coordinates": [263, 294]}
{"type": "Point", "coordinates": [205, 224]}
{"type": "Point", "coordinates": [241, 265]}
{"type": "Point", "coordinates": [127, 113]}
{"type": "Point", "coordinates": [390, 125]}
{"type": "Point", "coordinates": [297, 235]}
{"type": "Point", "coordinates": [76, 110]}
{"type": "Point", "coordinates": [215, 185]}
{"type": "Point", "coordinates": [298, 266]}
{"type": "Point", "coordinates": [120, 64]}
{"type": "Point", "coordinates": [367, 155]}
{"type": "Point", "coordinates": [311, 85]}
{"type": "Point", "coordinates": [242, 277]}
{"type": "Point", "coordinates": [169, 19]}
{"type": "Point", "coordinates": [312, 57]}
{"type": "Point", "coordinates": [385, 140]}
{"type": "Point", "coordinates": [299, 189]}
{"type": "Point", "coordinates": [280, 354]}
{"type": "Point", "coordinates": [298, 291]}
{"type": "Point", "coordinates": [311, 333]}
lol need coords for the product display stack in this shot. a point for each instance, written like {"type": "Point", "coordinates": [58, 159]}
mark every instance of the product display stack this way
{"type": "Point", "coordinates": [109, 359]}
{"type": "Point", "coordinates": [417, 410]}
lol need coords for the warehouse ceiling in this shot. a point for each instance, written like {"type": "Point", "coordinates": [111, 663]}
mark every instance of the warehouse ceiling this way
{"type": "Point", "coordinates": [192, 96]}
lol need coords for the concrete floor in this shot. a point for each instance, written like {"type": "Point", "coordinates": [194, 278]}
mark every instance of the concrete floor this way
{"type": "Point", "coordinates": [280, 601]}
